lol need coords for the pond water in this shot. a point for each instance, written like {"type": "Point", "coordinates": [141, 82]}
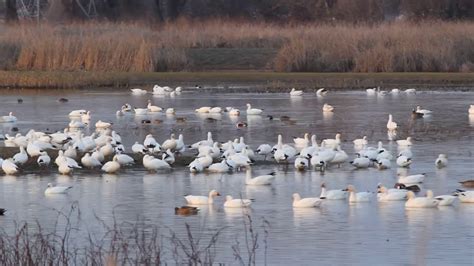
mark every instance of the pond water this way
{"type": "Point", "coordinates": [337, 233]}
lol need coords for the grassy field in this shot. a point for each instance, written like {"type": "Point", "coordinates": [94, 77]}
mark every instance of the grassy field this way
{"type": "Point", "coordinates": [253, 79]}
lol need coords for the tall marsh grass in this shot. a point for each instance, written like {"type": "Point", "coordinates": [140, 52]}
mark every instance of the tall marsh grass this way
{"type": "Point", "coordinates": [431, 46]}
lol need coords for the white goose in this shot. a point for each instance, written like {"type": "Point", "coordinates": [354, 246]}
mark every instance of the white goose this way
{"type": "Point", "coordinates": [139, 148]}
{"type": "Point", "coordinates": [153, 164]}
{"type": "Point", "coordinates": [335, 194]}
{"type": "Point", "coordinates": [90, 162]}
{"type": "Point", "coordinates": [111, 166]}
{"type": "Point", "coordinates": [309, 150]}
{"type": "Point", "coordinates": [151, 143]}
{"type": "Point", "coordinates": [153, 108]}
{"type": "Point", "coordinates": [360, 142]}
{"type": "Point", "coordinates": [328, 108]}
{"type": "Point", "coordinates": [359, 196]}
{"type": "Point", "coordinates": [124, 159]}
{"type": "Point", "coordinates": [391, 195]}
{"type": "Point", "coordinates": [391, 125]}
{"type": "Point", "coordinates": [471, 109]}
{"type": "Point", "coordinates": [321, 92]}
{"type": "Point", "coordinates": [301, 163]}
{"type": "Point", "coordinates": [208, 142]}
{"type": "Point", "coordinates": [136, 91]}
{"type": "Point", "coordinates": [51, 189]}
{"type": "Point", "coordinates": [204, 109]}
{"type": "Point", "coordinates": [295, 92]}
{"type": "Point", "coordinates": [101, 124]}
{"type": "Point", "coordinates": [443, 200]}
{"type": "Point", "coordinates": [221, 167]}
{"type": "Point", "coordinates": [170, 143]}
{"type": "Point", "coordinates": [383, 164]}
{"type": "Point", "coordinates": [332, 143]}
{"type": "Point", "coordinates": [180, 147]}
{"type": "Point", "coordinates": [77, 113]}
{"type": "Point", "coordinates": [403, 161]}
{"type": "Point", "coordinates": [465, 196]}
{"type": "Point", "coordinates": [236, 203]}
{"type": "Point", "coordinates": [43, 159]}
{"type": "Point", "coordinates": [9, 167]}
{"type": "Point", "coordinates": [302, 142]}
{"type": "Point", "coordinates": [361, 162]}
{"type": "Point", "coordinates": [168, 157]}
{"type": "Point", "coordinates": [253, 111]}
{"type": "Point", "coordinates": [420, 202]}
{"type": "Point", "coordinates": [262, 180]}
{"type": "Point", "coordinates": [340, 156]}
{"type": "Point", "coordinates": [8, 118]}
{"type": "Point", "coordinates": [405, 142]}
{"type": "Point", "coordinates": [234, 112]}
{"type": "Point", "coordinates": [140, 111]}
{"type": "Point", "coordinates": [442, 161]}
{"type": "Point", "coordinates": [412, 179]}
{"type": "Point", "coordinates": [299, 202]}
{"type": "Point", "coordinates": [202, 200]}
{"type": "Point", "coordinates": [21, 157]}
{"type": "Point", "coordinates": [265, 150]}
{"type": "Point", "coordinates": [423, 111]}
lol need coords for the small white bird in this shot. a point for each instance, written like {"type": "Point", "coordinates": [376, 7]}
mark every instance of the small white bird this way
{"type": "Point", "coordinates": [328, 108]}
{"type": "Point", "coordinates": [299, 202]}
{"type": "Point", "coordinates": [261, 180]}
{"type": "Point", "coordinates": [391, 125]}
{"type": "Point", "coordinates": [442, 161]}
{"type": "Point", "coordinates": [295, 92]}
{"type": "Point", "coordinates": [202, 200]}
{"type": "Point", "coordinates": [236, 203]}
{"type": "Point", "coordinates": [51, 189]}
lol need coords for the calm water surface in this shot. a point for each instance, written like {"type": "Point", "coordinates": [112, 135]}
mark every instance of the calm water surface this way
{"type": "Point", "coordinates": [337, 233]}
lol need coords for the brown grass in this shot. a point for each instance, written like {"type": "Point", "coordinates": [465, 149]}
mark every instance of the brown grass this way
{"type": "Point", "coordinates": [432, 46]}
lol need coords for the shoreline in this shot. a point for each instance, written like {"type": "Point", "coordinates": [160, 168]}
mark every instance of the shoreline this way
{"type": "Point", "coordinates": [241, 81]}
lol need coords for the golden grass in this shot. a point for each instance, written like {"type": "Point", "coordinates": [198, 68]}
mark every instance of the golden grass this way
{"type": "Point", "coordinates": [432, 46]}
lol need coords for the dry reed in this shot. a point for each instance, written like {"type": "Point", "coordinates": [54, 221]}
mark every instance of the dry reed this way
{"type": "Point", "coordinates": [432, 46]}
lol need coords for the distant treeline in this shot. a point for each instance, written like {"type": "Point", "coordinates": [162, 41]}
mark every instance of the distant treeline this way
{"type": "Point", "coordinates": [257, 10]}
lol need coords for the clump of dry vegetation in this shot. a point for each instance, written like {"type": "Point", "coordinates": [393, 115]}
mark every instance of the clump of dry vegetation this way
{"type": "Point", "coordinates": [433, 46]}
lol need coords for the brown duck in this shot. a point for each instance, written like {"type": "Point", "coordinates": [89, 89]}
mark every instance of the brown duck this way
{"type": "Point", "coordinates": [186, 210]}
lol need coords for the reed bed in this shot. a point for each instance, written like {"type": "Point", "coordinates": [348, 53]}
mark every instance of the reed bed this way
{"type": "Point", "coordinates": [128, 243]}
{"type": "Point", "coordinates": [430, 46]}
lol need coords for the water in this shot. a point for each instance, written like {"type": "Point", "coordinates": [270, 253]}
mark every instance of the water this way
{"type": "Point", "coordinates": [336, 233]}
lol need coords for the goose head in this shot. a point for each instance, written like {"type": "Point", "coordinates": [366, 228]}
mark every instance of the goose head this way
{"type": "Point", "coordinates": [296, 197]}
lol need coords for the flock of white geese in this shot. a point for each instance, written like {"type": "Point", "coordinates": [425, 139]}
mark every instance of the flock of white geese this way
{"type": "Point", "coordinates": [104, 150]}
